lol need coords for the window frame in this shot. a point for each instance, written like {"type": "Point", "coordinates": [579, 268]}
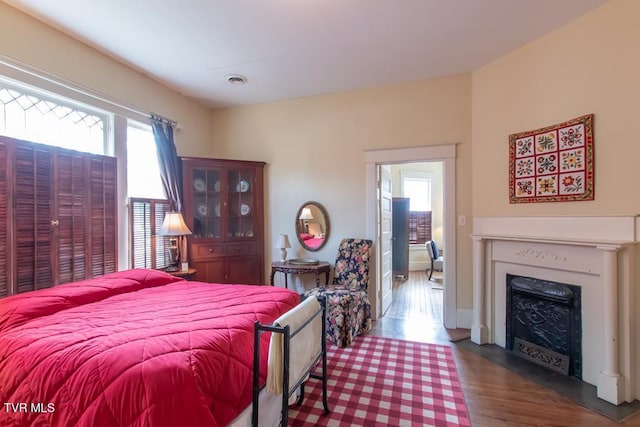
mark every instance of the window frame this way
{"type": "Point", "coordinates": [64, 101]}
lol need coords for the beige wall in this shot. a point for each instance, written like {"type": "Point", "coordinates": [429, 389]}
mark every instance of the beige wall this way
{"type": "Point", "coordinates": [314, 149]}
{"type": "Point", "coordinates": [591, 65]}
{"type": "Point", "coordinates": [29, 41]}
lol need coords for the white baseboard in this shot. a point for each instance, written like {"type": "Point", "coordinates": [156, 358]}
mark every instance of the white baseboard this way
{"type": "Point", "coordinates": [418, 266]}
{"type": "Point", "coordinates": [465, 318]}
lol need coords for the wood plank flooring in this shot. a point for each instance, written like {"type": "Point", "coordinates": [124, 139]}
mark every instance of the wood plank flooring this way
{"type": "Point", "coordinates": [495, 396]}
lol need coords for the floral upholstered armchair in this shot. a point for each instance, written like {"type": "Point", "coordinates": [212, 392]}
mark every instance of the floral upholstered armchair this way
{"type": "Point", "coordinates": [348, 305]}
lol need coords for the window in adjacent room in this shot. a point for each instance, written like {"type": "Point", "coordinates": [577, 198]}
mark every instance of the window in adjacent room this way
{"type": "Point", "coordinates": [36, 116]}
{"type": "Point", "coordinates": [147, 202]}
{"type": "Point", "coordinates": [417, 187]}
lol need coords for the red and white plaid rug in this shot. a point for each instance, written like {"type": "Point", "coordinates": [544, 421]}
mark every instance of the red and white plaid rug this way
{"type": "Point", "coordinates": [383, 381]}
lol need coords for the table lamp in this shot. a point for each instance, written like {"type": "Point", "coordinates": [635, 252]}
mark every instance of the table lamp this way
{"type": "Point", "coordinates": [283, 244]}
{"type": "Point", "coordinates": [174, 227]}
{"type": "Point", "coordinates": [305, 216]}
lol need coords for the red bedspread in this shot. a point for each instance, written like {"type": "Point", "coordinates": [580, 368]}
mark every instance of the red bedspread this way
{"type": "Point", "coordinates": [134, 348]}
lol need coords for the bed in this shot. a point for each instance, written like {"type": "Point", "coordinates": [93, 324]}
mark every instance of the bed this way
{"type": "Point", "coordinates": [134, 348]}
{"type": "Point", "coordinates": [312, 241]}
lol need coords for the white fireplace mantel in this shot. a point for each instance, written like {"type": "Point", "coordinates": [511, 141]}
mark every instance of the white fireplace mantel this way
{"type": "Point", "coordinates": [596, 253]}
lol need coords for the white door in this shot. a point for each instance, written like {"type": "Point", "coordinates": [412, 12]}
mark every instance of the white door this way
{"type": "Point", "coordinates": [385, 234]}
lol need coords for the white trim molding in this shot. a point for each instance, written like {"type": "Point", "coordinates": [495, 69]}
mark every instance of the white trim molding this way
{"type": "Point", "coordinates": [447, 154]}
{"type": "Point", "coordinates": [600, 255]}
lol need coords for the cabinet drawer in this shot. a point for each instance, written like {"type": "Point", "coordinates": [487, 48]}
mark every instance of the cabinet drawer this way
{"type": "Point", "coordinates": [201, 251]}
{"type": "Point", "coordinates": [241, 249]}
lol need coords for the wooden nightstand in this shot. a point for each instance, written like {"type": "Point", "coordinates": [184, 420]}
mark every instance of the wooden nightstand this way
{"type": "Point", "coordinates": [188, 275]}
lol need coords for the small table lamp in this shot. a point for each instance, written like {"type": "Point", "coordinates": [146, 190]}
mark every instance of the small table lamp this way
{"type": "Point", "coordinates": [174, 227]}
{"type": "Point", "coordinates": [283, 244]}
{"type": "Point", "coordinates": [305, 216]}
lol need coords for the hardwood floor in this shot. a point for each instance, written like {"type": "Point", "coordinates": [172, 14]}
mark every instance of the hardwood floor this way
{"type": "Point", "coordinates": [495, 396]}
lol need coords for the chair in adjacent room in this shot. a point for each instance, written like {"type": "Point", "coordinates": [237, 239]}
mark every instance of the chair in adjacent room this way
{"type": "Point", "coordinates": [348, 305]}
{"type": "Point", "coordinates": [434, 255]}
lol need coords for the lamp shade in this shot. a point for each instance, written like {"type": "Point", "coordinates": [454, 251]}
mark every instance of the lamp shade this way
{"type": "Point", "coordinates": [283, 241]}
{"type": "Point", "coordinates": [306, 214]}
{"type": "Point", "coordinates": [174, 225]}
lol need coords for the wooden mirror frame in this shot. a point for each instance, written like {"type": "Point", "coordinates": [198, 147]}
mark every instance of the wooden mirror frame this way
{"type": "Point", "coordinates": [300, 224]}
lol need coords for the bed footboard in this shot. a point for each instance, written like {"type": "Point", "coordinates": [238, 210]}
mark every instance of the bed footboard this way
{"type": "Point", "coordinates": [297, 345]}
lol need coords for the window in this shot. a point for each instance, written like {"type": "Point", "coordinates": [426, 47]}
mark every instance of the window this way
{"type": "Point", "coordinates": [143, 170]}
{"type": "Point", "coordinates": [148, 250]}
{"type": "Point", "coordinates": [58, 114]}
{"type": "Point", "coordinates": [147, 202]}
{"type": "Point", "coordinates": [418, 190]}
{"type": "Point", "coordinates": [417, 187]}
{"type": "Point", "coordinates": [35, 116]}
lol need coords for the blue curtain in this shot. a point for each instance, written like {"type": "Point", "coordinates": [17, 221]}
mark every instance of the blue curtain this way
{"type": "Point", "coordinates": [170, 164]}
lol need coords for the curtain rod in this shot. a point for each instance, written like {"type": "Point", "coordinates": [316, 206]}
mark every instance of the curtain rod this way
{"type": "Point", "coordinates": [166, 121]}
{"type": "Point", "coordinates": [54, 79]}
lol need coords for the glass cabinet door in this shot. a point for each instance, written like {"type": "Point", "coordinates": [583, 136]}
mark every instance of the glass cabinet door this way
{"type": "Point", "coordinates": [240, 206]}
{"type": "Point", "coordinates": [207, 203]}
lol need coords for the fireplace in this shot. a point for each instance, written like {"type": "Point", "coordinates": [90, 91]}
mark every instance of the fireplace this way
{"type": "Point", "coordinates": [544, 323]}
{"type": "Point", "coordinates": [600, 255]}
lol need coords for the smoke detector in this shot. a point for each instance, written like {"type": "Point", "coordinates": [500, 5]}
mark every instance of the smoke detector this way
{"type": "Point", "coordinates": [236, 79]}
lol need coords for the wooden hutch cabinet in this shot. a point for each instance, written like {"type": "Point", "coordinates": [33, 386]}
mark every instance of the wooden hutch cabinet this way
{"type": "Point", "coordinates": [223, 207]}
{"type": "Point", "coordinates": [57, 216]}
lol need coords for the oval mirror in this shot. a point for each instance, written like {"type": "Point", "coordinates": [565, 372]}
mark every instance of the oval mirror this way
{"type": "Point", "coordinates": [312, 226]}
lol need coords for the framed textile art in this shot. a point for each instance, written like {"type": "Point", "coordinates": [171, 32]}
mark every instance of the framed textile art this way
{"type": "Point", "coordinates": [552, 164]}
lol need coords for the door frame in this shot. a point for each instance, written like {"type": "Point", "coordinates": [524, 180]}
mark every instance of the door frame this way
{"type": "Point", "coordinates": [386, 280]}
{"type": "Point", "coordinates": [445, 153]}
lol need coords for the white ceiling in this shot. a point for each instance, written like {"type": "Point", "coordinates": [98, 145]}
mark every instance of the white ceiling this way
{"type": "Point", "coordinates": [294, 48]}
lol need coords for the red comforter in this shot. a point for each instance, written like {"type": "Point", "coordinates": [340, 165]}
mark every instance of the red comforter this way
{"type": "Point", "coordinates": [134, 348]}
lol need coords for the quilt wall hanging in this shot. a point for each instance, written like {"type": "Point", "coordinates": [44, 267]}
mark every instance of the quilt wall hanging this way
{"type": "Point", "coordinates": [552, 164]}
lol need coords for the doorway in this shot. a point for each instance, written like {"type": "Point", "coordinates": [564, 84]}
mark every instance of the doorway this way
{"type": "Point", "coordinates": [417, 218]}
{"type": "Point", "coordinates": [446, 154]}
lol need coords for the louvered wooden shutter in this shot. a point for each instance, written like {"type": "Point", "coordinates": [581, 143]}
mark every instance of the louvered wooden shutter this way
{"type": "Point", "coordinates": [148, 250]}
{"type": "Point", "coordinates": [419, 226]}
{"type": "Point", "coordinates": [5, 259]}
{"type": "Point", "coordinates": [102, 214]}
{"type": "Point", "coordinates": [34, 193]}
{"type": "Point", "coordinates": [57, 216]}
{"type": "Point", "coordinates": [72, 229]}
{"type": "Point", "coordinates": [160, 243]}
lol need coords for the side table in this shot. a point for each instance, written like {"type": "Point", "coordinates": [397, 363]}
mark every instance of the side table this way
{"type": "Point", "coordinates": [287, 268]}
{"type": "Point", "coordinates": [187, 275]}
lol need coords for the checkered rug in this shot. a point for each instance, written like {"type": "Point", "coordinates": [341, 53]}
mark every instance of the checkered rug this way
{"type": "Point", "coordinates": [383, 381]}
